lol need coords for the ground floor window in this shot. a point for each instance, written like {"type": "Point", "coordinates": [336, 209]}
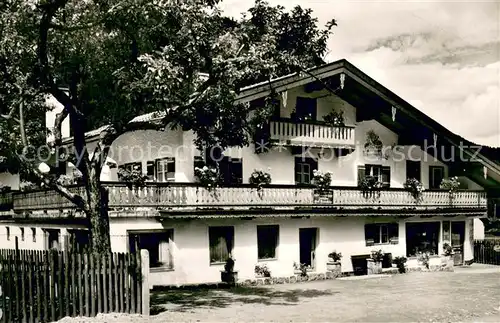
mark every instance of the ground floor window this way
{"type": "Point", "coordinates": [157, 243]}
{"type": "Point", "coordinates": [381, 233]}
{"type": "Point", "coordinates": [221, 243]}
{"type": "Point", "coordinates": [422, 237]}
{"type": "Point", "coordinates": [267, 241]}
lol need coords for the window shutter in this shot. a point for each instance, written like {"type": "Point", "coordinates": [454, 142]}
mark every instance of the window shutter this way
{"type": "Point", "coordinates": [361, 173]}
{"type": "Point", "coordinates": [386, 175]}
{"type": "Point", "coordinates": [150, 166]}
{"type": "Point", "coordinates": [393, 233]}
{"type": "Point", "coordinates": [236, 171]}
{"type": "Point", "coordinates": [370, 232]}
{"type": "Point", "coordinates": [171, 165]}
{"type": "Point", "coordinates": [298, 170]}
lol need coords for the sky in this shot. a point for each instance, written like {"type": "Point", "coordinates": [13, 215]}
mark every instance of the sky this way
{"type": "Point", "coordinates": [441, 56]}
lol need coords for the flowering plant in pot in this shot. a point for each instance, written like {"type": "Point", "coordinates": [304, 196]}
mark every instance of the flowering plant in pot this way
{"type": "Point", "coordinates": [447, 258]}
{"type": "Point", "coordinates": [335, 119]}
{"type": "Point", "coordinates": [423, 259]}
{"type": "Point", "coordinates": [134, 177]}
{"type": "Point", "coordinates": [370, 186]}
{"type": "Point", "coordinates": [451, 185]}
{"type": "Point", "coordinates": [374, 263]}
{"type": "Point", "coordinates": [333, 263]}
{"type": "Point", "coordinates": [415, 188]}
{"type": "Point", "coordinates": [259, 179]}
{"type": "Point", "coordinates": [321, 180]}
{"type": "Point", "coordinates": [400, 262]}
{"type": "Point", "coordinates": [208, 177]}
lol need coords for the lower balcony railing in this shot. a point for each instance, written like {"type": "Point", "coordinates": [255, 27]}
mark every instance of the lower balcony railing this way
{"type": "Point", "coordinates": [178, 195]}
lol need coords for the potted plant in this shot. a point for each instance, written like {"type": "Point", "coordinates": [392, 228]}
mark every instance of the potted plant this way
{"type": "Point", "coordinates": [133, 178]}
{"type": "Point", "coordinates": [335, 119]}
{"type": "Point", "coordinates": [322, 182]}
{"type": "Point", "coordinates": [260, 179]}
{"type": "Point", "coordinates": [423, 259]}
{"type": "Point", "coordinates": [451, 185]}
{"type": "Point", "coordinates": [334, 263]}
{"type": "Point", "coordinates": [415, 188]}
{"type": "Point", "coordinates": [262, 271]}
{"type": "Point", "coordinates": [370, 187]}
{"type": "Point", "coordinates": [447, 258]}
{"type": "Point", "coordinates": [207, 177]}
{"type": "Point", "coordinates": [301, 269]}
{"type": "Point", "coordinates": [228, 275]}
{"type": "Point", "coordinates": [400, 263]}
{"type": "Point", "coordinates": [374, 263]}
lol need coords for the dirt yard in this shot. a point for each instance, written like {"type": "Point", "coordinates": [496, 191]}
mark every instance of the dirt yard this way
{"type": "Point", "coordinates": [467, 295]}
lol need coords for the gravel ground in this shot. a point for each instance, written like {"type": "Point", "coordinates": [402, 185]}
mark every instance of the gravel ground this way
{"type": "Point", "coordinates": [464, 296]}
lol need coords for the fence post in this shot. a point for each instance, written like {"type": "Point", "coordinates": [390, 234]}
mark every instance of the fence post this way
{"type": "Point", "coordinates": [145, 281]}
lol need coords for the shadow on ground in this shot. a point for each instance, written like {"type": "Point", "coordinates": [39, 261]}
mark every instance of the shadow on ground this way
{"type": "Point", "coordinates": [185, 300]}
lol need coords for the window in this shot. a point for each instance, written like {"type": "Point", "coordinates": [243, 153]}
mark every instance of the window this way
{"type": "Point", "coordinates": [413, 169]}
{"type": "Point", "coordinates": [221, 243]}
{"type": "Point", "coordinates": [267, 241]}
{"type": "Point", "coordinates": [165, 169]}
{"type": "Point", "coordinates": [79, 240]}
{"type": "Point", "coordinates": [159, 244]}
{"type": "Point", "coordinates": [231, 170]}
{"type": "Point", "coordinates": [150, 170]}
{"type": "Point", "coordinates": [130, 167]}
{"type": "Point", "coordinates": [422, 237]}
{"type": "Point", "coordinates": [382, 173]}
{"type": "Point", "coordinates": [436, 175]}
{"type": "Point", "coordinates": [306, 109]}
{"type": "Point", "coordinates": [52, 238]}
{"type": "Point", "coordinates": [304, 168]}
{"type": "Point", "coordinates": [33, 233]}
{"type": "Point", "coordinates": [381, 233]}
{"type": "Point", "coordinates": [22, 233]}
{"type": "Point", "coordinates": [7, 230]}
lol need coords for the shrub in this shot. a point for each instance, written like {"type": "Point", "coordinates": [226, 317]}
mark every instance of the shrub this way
{"type": "Point", "coordinates": [229, 266]}
{"type": "Point", "coordinates": [447, 249]}
{"type": "Point", "coordinates": [262, 270]}
{"type": "Point", "coordinates": [400, 263]}
{"type": "Point", "coordinates": [423, 258]}
{"type": "Point", "coordinates": [302, 267]}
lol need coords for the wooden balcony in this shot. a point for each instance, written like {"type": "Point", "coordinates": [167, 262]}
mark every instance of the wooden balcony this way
{"type": "Point", "coordinates": [180, 196]}
{"type": "Point", "coordinates": [311, 134]}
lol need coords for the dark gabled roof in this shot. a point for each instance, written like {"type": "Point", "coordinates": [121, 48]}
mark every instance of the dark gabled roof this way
{"type": "Point", "coordinates": [354, 76]}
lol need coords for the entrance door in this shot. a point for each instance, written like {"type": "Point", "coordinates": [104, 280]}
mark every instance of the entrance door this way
{"type": "Point", "coordinates": [307, 245]}
{"type": "Point", "coordinates": [457, 241]}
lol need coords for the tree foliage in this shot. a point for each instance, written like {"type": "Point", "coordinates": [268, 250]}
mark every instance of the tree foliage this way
{"type": "Point", "coordinates": [107, 61]}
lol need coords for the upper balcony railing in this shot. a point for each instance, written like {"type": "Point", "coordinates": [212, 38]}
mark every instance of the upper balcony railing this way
{"type": "Point", "coordinates": [190, 196]}
{"type": "Point", "coordinates": [311, 134]}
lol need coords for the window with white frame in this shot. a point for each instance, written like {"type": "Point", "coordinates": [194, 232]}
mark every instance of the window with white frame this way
{"type": "Point", "coordinates": [165, 169]}
{"type": "Point", "coordinates": [436, 175]}
{"type": "Point", "coordinates": [159, 245]}
{"type": "Point", "coordinates": [381, 233]}
{"type": "Point", "coordinates": [382, 173]}
{"type": "Point", "coordinates": [304, 168]}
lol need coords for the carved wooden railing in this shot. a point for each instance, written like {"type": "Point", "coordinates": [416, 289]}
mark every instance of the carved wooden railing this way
{"type": "Point", "coordinates": [183, 195]}
{"type": "Point", "coordinates": [311, 133]}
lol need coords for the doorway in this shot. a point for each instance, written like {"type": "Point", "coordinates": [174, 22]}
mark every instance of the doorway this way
{"type": "Point", "coordinates": [457, 241]}
{"type": "Point", "coordinates": [308, 238]}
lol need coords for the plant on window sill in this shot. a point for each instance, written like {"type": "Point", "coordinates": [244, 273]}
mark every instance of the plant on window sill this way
{"type": "Point", "coordinates": [415, 188]}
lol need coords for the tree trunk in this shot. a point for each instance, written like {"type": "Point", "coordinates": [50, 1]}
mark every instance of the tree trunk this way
{"type": "Point", "coordinates": [98, 197]}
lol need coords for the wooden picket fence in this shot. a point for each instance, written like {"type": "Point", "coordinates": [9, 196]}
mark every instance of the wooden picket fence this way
{"type": "Point", "coordinates": [487, 251]}
{"type": "Point", "coordinates": [45, 286]}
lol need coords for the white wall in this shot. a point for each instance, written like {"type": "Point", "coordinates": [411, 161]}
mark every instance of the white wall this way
{"type": "Point", "coordinates": [478, 229]}
{"type": "Point", "coordinates": [191, 244]}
